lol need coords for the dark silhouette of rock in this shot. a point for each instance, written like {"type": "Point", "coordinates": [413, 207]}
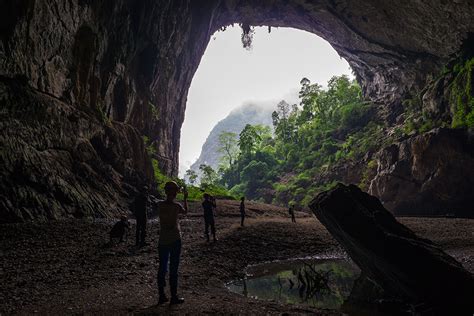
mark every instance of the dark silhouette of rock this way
{"type": "Point", "coordinates": [428, 174]}
{"type": "Point", "coordinates": [405, 266]}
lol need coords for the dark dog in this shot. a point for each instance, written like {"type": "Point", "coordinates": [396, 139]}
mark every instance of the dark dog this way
{"type": "Point", "coordinates": [120, 230]}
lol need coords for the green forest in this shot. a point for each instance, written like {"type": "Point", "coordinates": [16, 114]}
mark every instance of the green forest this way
{"type": "Point", "coordinates": [329, 127]}
{"type": "Point", "coordinates": [277, 165]}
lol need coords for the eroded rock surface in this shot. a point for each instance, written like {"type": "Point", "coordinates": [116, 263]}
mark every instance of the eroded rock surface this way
{"type": "Point", "coordinates": [432, 173]}
{"type": "Point", "coordinates": [59, 161]}
{"type": "Point", "coordinates": [405, 266]}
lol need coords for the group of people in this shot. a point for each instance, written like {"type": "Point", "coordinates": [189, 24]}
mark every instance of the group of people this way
{"type": "Point", "coordinates": [169, 245]}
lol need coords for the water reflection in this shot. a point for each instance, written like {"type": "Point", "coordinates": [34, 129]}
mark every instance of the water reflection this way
{"type": "Point", "coordinates": [321, 283]}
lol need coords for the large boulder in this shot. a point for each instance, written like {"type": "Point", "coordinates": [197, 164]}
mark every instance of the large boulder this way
{"type": "Point", "coordinates": [428, 174]}
{"type": "Point", "coordinates": [405, 266]}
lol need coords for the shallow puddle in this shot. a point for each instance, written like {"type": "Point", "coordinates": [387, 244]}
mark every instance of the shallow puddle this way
{"type": "Point", "coordinates": [320, 283]}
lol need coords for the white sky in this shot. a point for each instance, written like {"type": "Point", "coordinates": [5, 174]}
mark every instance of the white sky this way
{"type": "Point", "coordinates": [229, 75]}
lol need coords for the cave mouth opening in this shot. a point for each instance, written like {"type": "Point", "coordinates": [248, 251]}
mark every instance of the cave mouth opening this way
{"type": "Point", "coordinates": [260, 70]}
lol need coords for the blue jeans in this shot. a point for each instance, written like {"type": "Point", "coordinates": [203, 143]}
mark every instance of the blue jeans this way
{"type": "Point", "coordinates": [171, 252]}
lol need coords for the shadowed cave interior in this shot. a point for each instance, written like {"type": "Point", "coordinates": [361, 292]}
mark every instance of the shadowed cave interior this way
{"type": "Point", "coordinates": [87, 86]}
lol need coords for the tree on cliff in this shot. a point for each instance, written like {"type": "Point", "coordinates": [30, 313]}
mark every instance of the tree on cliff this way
{"type": "Point", "coordinates": [228, 146]}
{"type": "Point", "coordinates": [209, 175]}
{"type": "Point", "coordinates": [252, 138]}
{"type": "Point", "coordinates": [191, 175]}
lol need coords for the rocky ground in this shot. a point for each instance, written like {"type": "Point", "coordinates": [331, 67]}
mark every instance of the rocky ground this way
{"type": "Point", "coordinates": [68, 267]}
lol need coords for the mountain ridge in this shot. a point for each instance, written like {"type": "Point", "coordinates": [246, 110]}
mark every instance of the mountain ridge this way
{"type": "Point", "coordinates": [248, 113]}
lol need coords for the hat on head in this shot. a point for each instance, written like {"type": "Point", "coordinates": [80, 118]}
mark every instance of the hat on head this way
{"type": "Point", "coordinates": [171, 185]}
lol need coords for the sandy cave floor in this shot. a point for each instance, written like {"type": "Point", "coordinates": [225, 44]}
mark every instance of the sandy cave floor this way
{"type": "Point", "coordinates": [66, 266]}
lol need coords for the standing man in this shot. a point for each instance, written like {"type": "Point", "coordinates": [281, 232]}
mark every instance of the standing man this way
{"type": "Point", "coordinates": [140, 212]}
{"type": "Point", "coordinates": [242, 211]}
{"type": "Point", "coordinates": [291, 211]}
{"type": "Point", "coordinates": [209, 205]}
{"type": "Point", "coordinates": [169, 245]}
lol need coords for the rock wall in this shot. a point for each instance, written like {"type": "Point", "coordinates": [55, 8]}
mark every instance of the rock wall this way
{"type": "Point", "coordinates": [428, 174]}
{"type": "Point", "coordinates": [130, 64]}
{"type": "Point", "coordinates": [131, 60]}
{"type": "Point", "coordinates": [58, 161]}
{"type": "Point", "coordinates": [81, 83]}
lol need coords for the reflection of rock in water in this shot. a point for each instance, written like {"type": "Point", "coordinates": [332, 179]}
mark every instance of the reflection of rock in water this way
{"type": "Point", "coordinates": [311, 281]}
{"type": "Point", "coordinates": [323, 283]}
{"type": "Point", "coordinates": [405, 266]}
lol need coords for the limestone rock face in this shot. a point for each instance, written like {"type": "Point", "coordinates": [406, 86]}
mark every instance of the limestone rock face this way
{"type": "Point", "coordinates": [132, 62]}
{"type": "Point", "coordinates": [405, 266]}
{"type": "Point", "coordinates": [58, 161]}
{"type": "Point", "coordinates": [432, 173]}
{"type": "Point", "coordinates": [82, 82]}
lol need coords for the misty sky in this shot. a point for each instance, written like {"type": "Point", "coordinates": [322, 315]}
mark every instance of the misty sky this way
{"type": "Point", "coordinates": [230, 75]}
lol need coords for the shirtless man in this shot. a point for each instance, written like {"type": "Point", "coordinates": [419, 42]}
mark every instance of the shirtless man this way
{"type": "Point", "coordinates": [169, 245]}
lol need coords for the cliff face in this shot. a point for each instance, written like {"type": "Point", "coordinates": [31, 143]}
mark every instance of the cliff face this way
{"type": "Point", "coordinates": [60, 162]}
{"type": "Point", "coordinates": [428, 174]}
{"type": "Point", "coordinates": [234, 122]}
{"type": "Point", "coordinates": [130, 61]}
{"type": "Point", "coordinates": [125, 68]}
{"type": "Point", "coordinates": [81, 83]}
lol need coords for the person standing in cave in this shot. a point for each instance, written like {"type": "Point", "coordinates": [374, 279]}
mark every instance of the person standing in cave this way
{"type": "Point", "coordinates": [140, 212]}
{"type": "Point", "coordinates": [242, 211]}
{"type": "Point", "coordinates": [209, 205]}
{"type": "Point", "coordinates": [291, 211]}
{"type": "Point", "coordinates": [169, 244]}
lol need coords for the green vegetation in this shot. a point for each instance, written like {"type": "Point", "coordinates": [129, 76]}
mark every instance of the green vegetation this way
{"type": "Point", "coordinates": [332, 127]}
{"type": "Point", "coordinates": [366, 175]}
{"type": "Point", "coordinates": [462, 94]}
{"type": "Point", "coordinates": [150, 148]}
{"type": "Point", "coordinates": [154, 111]}
{"type": "Point", "coordinates": [416, 119]}
{"type": "Point", "coordinates": [228, 147]}
{"type": "Point", "coordinates": [456, 78]}
{"type": "Point", "coordinates": [195, 193]}
{"type": "Point", "coordinates": [100, 114]}
{"type": "Point", "coordinates": [328, 127]}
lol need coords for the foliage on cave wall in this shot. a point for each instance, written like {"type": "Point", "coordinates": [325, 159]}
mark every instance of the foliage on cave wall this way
{"type": "Point", "coordinates": [451, 93]}
{"type": "Point", "coordinates": [462, 94]}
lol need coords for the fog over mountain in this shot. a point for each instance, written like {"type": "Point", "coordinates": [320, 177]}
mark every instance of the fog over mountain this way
{"type": "Point", "coordinates": [251, 112]}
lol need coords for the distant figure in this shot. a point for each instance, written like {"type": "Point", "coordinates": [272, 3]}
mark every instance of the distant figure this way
{"type": "Point", "coordinates": [209, 205]}
{"type": "Point", "coordinates": [120, 230]}
{"type": "Point", "coordinates": [140, 212]}
{"type": "Point", "coordinates": [169, 245]}
{"type": "Point", "coordinates": [291, 211]}
{"type": "Point", "coordinates": [242, 211]}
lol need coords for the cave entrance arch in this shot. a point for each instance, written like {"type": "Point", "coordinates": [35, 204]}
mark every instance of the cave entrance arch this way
{"type": "Point", "coordinates": [392, 50]}
{"type": "Point", "coordinates": [231, 78]}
